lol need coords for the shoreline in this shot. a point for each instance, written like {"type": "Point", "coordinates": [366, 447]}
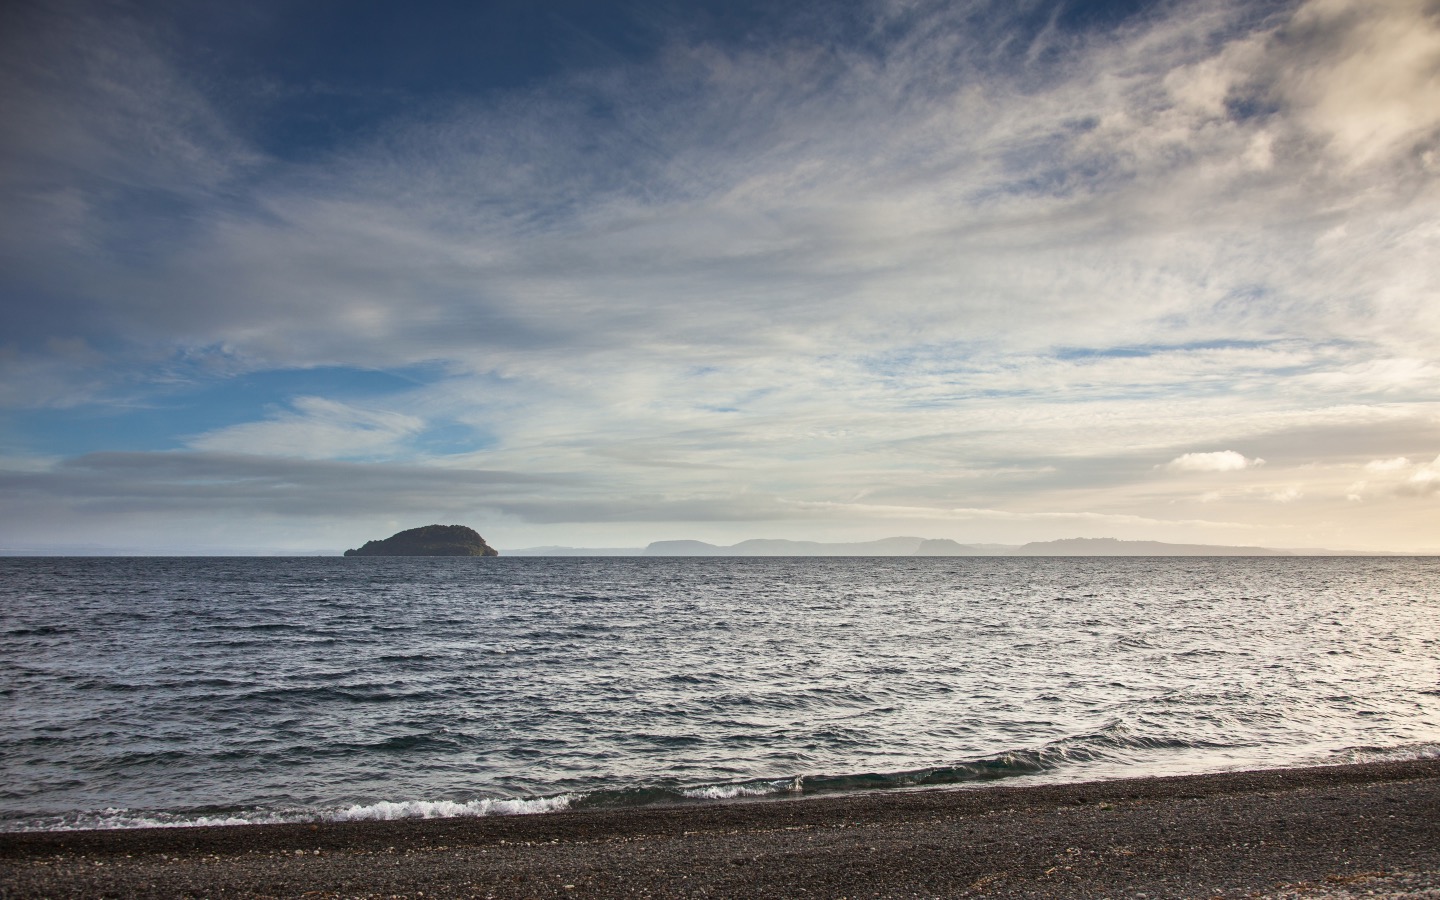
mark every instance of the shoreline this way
{"type": "Point", "coordinates": [1309, 830]}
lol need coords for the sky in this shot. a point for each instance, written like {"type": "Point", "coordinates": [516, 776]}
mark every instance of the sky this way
{"type": "Point", "coordinates": [290, 275]}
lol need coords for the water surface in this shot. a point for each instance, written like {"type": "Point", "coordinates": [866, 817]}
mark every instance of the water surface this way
{"type": "Point", "coordinates": [184, 690]}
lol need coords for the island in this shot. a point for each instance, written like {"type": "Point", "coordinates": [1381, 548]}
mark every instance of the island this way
{"type": "Point", "coordinates": [430, 540]}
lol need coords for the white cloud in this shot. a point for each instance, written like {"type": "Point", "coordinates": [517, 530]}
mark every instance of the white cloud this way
{"type": "Point", "coordinates": [1424, 481]}
{"type": "Point", "coordinates": [1398, 477]}
{"type": "Point", "coordinates": [1288, 494]}
{"type": "Point", "coordinates": [1387, 465]}
{"type": "Point", "coordinates": [1217, 461]}
{"type": "Point", "coordinates": [316, 428]}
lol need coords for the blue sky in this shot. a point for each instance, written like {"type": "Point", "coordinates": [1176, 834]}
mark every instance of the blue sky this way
{"type": "Point", "coordinates": [290, 276]}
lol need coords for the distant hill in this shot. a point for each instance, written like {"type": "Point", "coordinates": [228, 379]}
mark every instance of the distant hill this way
{"type": "Point", "coordinates": [914, 546]}
{"type": "Point", "coordinates": [947, 547]}
{"type": "Point", "coordinates": [896, 546]}
{"type": "Point", "coordinates": [1114, 547]}
{"type": "Point", "coordinates": [430, 540]}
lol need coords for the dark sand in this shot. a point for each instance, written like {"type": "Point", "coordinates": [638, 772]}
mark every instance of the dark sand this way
{"type": "Point", "coordinates": [1320, 832]}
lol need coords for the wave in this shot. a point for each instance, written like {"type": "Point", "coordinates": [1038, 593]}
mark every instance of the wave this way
{"type": "Point", "coordinates": [1100, 744]}
{"type": "Point", "coordinates": [1115, 742]}
{"type": "Point", "coordinates": [384, 810]}
{"type": "Point", "coordinates": [387, 810]}
{"type": "Point", "coordinates": [1398, 753]}
{"type": "Point", "coordinates": [744, 789]}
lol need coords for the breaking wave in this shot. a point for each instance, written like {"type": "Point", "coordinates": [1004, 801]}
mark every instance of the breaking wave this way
{"type": "Point", "coordinates": [1112, 743]}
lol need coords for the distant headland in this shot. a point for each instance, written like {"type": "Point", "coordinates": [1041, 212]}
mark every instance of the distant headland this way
{"type": "Point", "coordinates": [431, 540]}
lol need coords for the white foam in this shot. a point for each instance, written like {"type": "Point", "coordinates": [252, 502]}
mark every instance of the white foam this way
{"type": "Point", "coordinates": [124, 819]}
{"type": "Point", "coordinates": [731, 791]}
{"type": "Point", "coordinates": [386, 810]}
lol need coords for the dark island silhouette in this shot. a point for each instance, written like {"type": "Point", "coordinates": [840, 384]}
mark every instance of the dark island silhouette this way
{"type": "Point", "coordinates": [431, 540]}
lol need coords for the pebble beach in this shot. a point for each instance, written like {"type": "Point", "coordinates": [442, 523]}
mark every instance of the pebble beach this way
{"type": "Point", "coordinates": [1334, 831]}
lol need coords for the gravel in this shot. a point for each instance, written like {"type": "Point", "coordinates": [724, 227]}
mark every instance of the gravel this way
{"type": "Point", "coordinates": [1328, 832]}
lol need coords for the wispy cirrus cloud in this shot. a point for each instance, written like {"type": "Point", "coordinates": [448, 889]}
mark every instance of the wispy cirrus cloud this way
{"type": "Point", "coordinates": [946, 254]}
{"type": "Point", "coordinates": [733, 200]}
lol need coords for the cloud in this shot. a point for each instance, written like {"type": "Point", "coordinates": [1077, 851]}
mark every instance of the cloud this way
{"type": "Point", "coordinates": [112, 154]}
{"type": "Point", "coordinates": [1397, 477]}
{"type": "Point", "coordinates": [733, 276]}
{"type": "Point", "coordinates": [1387, 465]}
{"type": "Point", "coordinates": [737, 201]}
{"type": "Point", "coordinates": [1405, 480]}
{"type": "Point", "coordinates": [316, 428]}
{"type": "Point", "coordinates": [193, 490]}
{"type": "Point", "coordinates": [1218, 461]}
{"type": "Point", "coordinates": [1288, 494]}
{"type": "Point", "coordinates": [1364, 75]}
{"type": "Point", "coordinates": [1424, 481]}
{"type": "Point", "coordinates": [189, 482]}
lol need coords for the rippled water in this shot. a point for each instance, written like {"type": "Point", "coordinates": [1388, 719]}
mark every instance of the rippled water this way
{"type": "Point", "coordinates": [142, 691]}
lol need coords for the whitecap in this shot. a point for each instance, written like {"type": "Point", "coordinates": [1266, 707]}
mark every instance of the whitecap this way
{"type": "Point", "coordinates": [731, 791]}
{"type": "Point", "coordinates": [386, 810]}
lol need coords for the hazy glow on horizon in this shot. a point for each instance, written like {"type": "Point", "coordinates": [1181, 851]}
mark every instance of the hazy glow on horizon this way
{"type": "Point", "coordinates": [984, 271]}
